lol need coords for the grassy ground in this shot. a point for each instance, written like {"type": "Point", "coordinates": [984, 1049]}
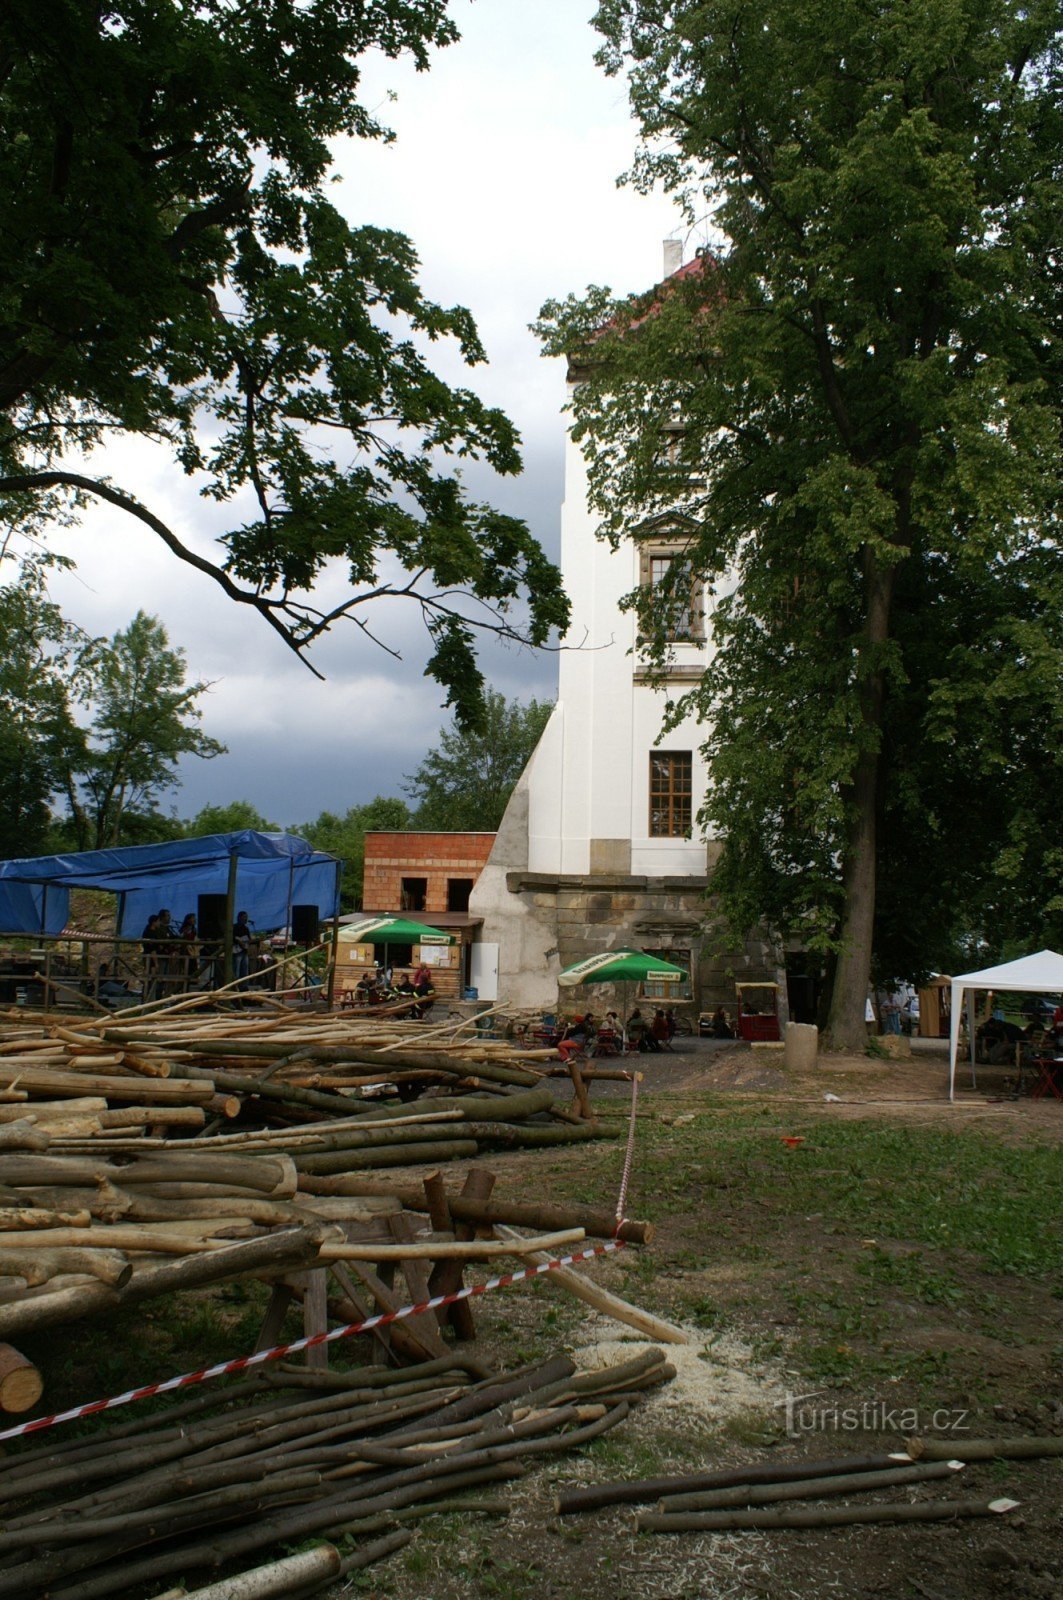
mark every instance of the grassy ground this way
{"type": "Point", "coordinates": [890, 1259]}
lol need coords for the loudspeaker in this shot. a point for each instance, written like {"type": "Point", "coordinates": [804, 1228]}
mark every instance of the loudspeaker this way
{"type": "Point", "coordinates": [210, 915]}
{"type": "Point", "coordinates": [304, 924]}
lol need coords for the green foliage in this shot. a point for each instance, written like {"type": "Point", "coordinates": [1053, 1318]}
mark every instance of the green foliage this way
{"type": "Point", "coordinates": [232, 818]}
{"type": "Point", "coordinates": [39, 658]}
{"type": "Point", "coordinates": [171, 268]}
{"type": "Point", "coordinates": [867, 377]}
{"type": "Point", "coordinates": [465, 784]}
{"type": "Point", "coordinates": [344, 837]}
{"type": "Point", "coordinates": [144, 719]}
{"type": "Point", "coordinates": [101, 724]}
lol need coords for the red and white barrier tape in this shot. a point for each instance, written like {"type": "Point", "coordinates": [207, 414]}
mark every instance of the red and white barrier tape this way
{"type": "Point", "coordinates": [276, 1352]}
{"type": "Point", "coordinates": [242, 1363]}
{"type": "Point", "coordinates": [636, 1079]}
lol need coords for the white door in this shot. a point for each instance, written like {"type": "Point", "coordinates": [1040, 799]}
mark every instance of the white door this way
{"type": "Point", "coordinates": [483, 970]}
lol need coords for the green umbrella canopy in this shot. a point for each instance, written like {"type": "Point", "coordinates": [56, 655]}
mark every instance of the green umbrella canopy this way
{"type": "Point", "coordinates": [621, 966]}
{"type": "Point", "coordinates": [391, 930]}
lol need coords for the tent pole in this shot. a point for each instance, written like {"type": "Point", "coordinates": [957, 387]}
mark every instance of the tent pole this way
{"type": "Point", "coordinates": [47, 952]}
{"type": "Point", "coordinates": [331, 989]}
{"type": "Point", "coordinates": [230, 918]}
{"type": "Point", "coordinates": [970, 1035]}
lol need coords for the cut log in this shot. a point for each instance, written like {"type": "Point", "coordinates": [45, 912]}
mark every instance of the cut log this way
{"type": "Point", "coordinates": [39, 1265]}
{"type": "Point", "coordinates": [433, 1249]}
{"type": "Point", "coordinates": [274, 1254]}
{"type": "Point", "coordinates": [819, 1516]}
{"type": "Point", "coordinates": [1026, 1448]}
{"type": "Point", "coordinates": [533, 1214]}
{"type": "Point", "coordinates": [593, 1496]}
{"type": "Point", "coordinates": [12, 1217]}
{"type": "Point", "coordinates": [810, 1488]}
{"type": "Point", "coordinates": [448, 1276]}
{"type": "Point", "coordinates": [20, 1382]}
{"type": "Point", "coordinates": [284, 1577]}
{"type": "Point", "coordinates": [23, 1135]}
{"type": "Point", "coordinates": [602, 1300]}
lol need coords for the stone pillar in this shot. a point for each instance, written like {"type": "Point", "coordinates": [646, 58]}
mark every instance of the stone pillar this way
{"type": "Point", "coordinates": [800, 1046]}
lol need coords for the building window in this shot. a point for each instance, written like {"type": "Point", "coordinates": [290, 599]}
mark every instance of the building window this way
{"type": "Point", "coordinates": [458, 892]}
{"type": "Point", "coordinates": [680, 988]}
{"type": "Point", "coordinates": [671, 783]}
{"type": "Point", "coordinates": [677, 592]}
{"type": "Point", "coordinates": [413, 894]}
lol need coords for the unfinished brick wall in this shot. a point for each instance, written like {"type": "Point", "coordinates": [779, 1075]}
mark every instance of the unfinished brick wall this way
{"type": "Point", "coordinates": [435, 857]}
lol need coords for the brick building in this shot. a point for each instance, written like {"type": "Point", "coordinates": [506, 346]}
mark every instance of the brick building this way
{"type": "Point", "coordinates": [428, 876]}
{"type": "Point", "coordinates": [425, 874]}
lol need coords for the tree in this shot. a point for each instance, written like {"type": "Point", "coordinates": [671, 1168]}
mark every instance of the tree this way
{"type": "Point", "coordinates": [39, 662]}
{"type": "Point", "coordinates": [144, 719]}
{"type": "Point", "coordinates": [171, 269]}
{"type": "Point", "coordinates": [466, 783]}
{"type": "Point", "coordinates": [233, 818]}
{"type": "Point", "coordinates": [344, 837]}
{"type": "Point", "coordinates": [865, 380]}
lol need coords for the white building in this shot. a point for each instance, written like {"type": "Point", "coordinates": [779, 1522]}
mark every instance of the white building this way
{"type": "Point", "coordinates": [600, 846]}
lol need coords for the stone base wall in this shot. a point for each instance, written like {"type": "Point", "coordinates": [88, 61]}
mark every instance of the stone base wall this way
{"type": "Point", "coordinates": [587, 915]}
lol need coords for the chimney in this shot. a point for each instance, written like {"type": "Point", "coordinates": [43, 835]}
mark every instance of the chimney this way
{"type": "Point", "coordinates": [673, 256]}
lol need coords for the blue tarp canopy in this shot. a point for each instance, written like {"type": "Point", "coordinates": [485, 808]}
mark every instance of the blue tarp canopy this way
{"type": "Point", "coordinates": [274, 871]}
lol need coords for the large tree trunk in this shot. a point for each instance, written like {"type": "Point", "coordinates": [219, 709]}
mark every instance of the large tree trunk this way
{"type": "Point", "coordinates": [847, 1028]}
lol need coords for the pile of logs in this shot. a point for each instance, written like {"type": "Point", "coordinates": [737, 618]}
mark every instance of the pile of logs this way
{"type": "Point", "coordinates": [144, 1154]}
{"type": "Point", "coordinates": [113, 1076]}
{"type": "Point", "coordinates": [214, 1483]}
{"type": "Point", "coordinates": [83, 1233]}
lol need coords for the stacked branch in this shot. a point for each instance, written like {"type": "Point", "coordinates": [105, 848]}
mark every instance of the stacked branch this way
{"type": "Point", "coordinates": [211, 1487]}
{"type": "Point", "coordinates": [276, 1066]}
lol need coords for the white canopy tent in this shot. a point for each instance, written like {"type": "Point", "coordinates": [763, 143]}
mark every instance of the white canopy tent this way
{"type": "Point", "coordinates": [1038, 974]}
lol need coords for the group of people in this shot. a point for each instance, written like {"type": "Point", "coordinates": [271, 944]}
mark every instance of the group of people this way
{"type": "Point", "coordinates": [176, 957]}
{"type": "Point", "coordinates": [380, 988]}
{"type": "Point", "coordinates": [585, 1035]}
{"type": "Point", "coordinates": [997, 1037]}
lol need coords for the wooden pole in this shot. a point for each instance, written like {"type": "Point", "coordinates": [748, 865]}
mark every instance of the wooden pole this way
{"type": "Point", "coordinates": [334, 953]}
{"type": "Point", "coordinates": [819, 1516]}
{"type": "Point", "coordinates": [230, 918]}
{"type": "Point", "coordinates": [601, 1299]}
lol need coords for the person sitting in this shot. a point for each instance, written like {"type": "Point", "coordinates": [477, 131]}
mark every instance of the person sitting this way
{"type": "Point", "coordinates": [997, 1039]}
{"type": "Point", "coordinates": [364, 989]}
{"type": "Point", "coordinates": [576, 1037]}
{"type": "Point", "coordinates": [659, 1030]}
{"type": "Point", "coordinates": [404, 990]}
{"type": "Point", "coordinates": [610, 1040]}
{"type": "Point", "coordinates": [638, 1031]}
{"type": "Point", "coordinates": [721, 1024]}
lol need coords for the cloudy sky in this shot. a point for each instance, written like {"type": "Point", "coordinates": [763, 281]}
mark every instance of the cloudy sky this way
{"type": "Point", "coordinates": [504, 176]}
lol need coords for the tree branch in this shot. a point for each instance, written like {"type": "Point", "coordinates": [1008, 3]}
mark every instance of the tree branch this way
{"type": "Point", "coordinates": [30, 481]}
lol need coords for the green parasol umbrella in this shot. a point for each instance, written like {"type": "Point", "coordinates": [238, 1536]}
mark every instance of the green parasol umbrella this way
{"type": "Point", "coordinates": [387, 930]}
{"type": "Point", "coordinates": [621, 966]}
{"type": "Point", "coordinates": [392, 930]}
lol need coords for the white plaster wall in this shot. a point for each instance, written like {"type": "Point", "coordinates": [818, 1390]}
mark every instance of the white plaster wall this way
{"type": "Point", "coordinates": [524, 930]}
{"type": "Point", "coordinates": [590, 776]}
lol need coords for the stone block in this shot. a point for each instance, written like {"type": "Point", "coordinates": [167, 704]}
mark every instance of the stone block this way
{"type": "Point", "coordinates": [610, 855]}
{"type": "Point", "coordinates": [896, 1045]}
{"type": "Point", "coordinates": [801, 1046]}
